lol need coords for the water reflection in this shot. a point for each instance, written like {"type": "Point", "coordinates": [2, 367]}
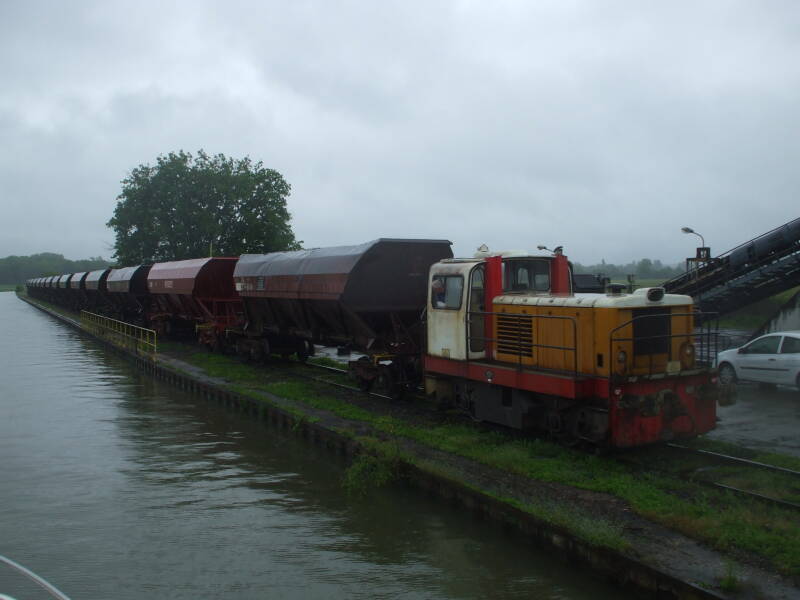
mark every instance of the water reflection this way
{"type": "Point", "coordinates": [118, 486]}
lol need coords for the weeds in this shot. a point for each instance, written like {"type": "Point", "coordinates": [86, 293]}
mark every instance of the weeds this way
{"type": "Point", "coordinates": [368, 472]}
{"type": "Point", "coordinates": [730, 581]}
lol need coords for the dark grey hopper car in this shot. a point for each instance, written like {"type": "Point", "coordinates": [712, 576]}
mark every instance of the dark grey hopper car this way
{"type": "Point", "coordinates": [51, 288]}
{"type": "Point", "coordinates": [59, 290]}
{"type": "Point", "coordinates": [127, 290]}
{"type": "Point", "coordinates": [77, 294]}
{"type": "Point", "coordinates": [94, 286]}
{"type": "Point", "coordinates": [368, 296]}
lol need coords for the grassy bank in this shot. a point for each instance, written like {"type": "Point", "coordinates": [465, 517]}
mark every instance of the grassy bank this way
{"type": "Point", "coordinates": [8, 287]}
{"type": "Point", "coordinates": [726, 522]}
{"type": "Point", "coordinates": [753, 316]}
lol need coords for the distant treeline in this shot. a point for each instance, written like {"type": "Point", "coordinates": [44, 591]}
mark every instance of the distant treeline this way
{"type": "Point", "coordinates": [645, 269]}
{"type": "Point", "coordinates": [17, 269]}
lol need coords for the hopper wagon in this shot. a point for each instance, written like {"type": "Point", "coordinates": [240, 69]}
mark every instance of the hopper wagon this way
{"type": "Point", "coordinates": [127, 292]}
{"type": "Point", "coordinates": [96, 292]}
{"type": "Point", "coordinates": [195, 295]}
{"type": "Point", "coordinates": [367, 297]}
{"type": "Point", "coordinates": [76, 294]}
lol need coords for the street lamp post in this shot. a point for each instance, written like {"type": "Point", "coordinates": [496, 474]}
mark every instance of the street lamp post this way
{"type": "Point", "coordinates": [703, 255]}
{"type": "Point", "coordinates": [690, 230]}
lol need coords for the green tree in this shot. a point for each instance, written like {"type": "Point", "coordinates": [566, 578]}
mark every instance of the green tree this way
{"type": "Point", "coordinates": [16, 269]}
{"type": "Point", "coordinates": [187, 207]}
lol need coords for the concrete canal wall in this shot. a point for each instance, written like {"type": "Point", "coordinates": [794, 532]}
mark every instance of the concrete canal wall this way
{"type": "Point", "coordinates": [663, 565]}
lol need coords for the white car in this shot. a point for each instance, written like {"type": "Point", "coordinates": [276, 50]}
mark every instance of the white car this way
{"type": "Point", "coordinates": [772, 358]}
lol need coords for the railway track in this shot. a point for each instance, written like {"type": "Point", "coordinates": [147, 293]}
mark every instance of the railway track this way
{"type": "Point", "coordinates": [696, 475]}
{"type": "Point", "coordinates": [736, 460]}
{"type": "Point", "coordinates": [699, 474]}
{"type": "Point", "coordinates": [351, 388]}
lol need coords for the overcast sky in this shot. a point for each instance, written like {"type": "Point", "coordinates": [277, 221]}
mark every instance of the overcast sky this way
{"type": "Point", "coordinates": [600, 126]}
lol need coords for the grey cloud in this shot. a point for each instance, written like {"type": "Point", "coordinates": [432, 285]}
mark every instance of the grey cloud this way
{"type": "Point", "coordinates": [602, 128]}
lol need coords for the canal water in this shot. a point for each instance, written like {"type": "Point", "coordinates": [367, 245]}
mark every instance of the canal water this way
{"type": "Point", "coordinates": [115, 486]}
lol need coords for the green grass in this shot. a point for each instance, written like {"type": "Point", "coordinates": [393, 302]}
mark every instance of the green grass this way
{"type": "Point", "coordinates": [11, 287]}
{"type": "Point", "coordinates": [720, 519]}
{"type": "Point", "coordinates": [753, 316]}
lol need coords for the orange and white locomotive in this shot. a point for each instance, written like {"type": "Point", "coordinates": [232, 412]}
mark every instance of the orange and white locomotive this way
{"type": "Point", "coordinates": [510, 342]}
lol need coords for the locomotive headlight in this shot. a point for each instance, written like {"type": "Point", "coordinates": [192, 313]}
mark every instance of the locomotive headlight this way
{"type": "Point", "coordinates": [687, 354]}
{"type": "Point", "coordinates": [622, 357]}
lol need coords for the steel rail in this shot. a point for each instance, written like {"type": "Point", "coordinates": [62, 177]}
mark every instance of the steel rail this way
{"type": "Point", "coordinates": [756, 495]}
{"type": "Point", "coordinates": [713, 484]}
{"type": "Point", "coordinates": [333, 383]}
{"type": "Point", "coordinates": [736, 459]}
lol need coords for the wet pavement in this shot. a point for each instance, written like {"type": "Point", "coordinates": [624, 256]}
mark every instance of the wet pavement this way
{"type": "Point", "coordinates": [762, 419]}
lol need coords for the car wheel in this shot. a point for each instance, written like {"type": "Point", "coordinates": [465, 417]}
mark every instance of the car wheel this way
{"type": "Point", "coordinates": [727, 374]}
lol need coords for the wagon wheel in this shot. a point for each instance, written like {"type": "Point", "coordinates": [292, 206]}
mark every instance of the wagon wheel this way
{"type": "Point", "coordinates": [364, 383]}
{"type": "Point", "coordinates": [266, 351]}
{"type": "Point", "coordinates": [302, 351]}
{"type": "Point", "coordinates": [388, 384]}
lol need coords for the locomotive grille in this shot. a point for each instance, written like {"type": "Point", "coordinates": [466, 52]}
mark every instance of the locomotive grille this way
{"type": "Point", "coordinates": [514, 335]}
{"type": "Point", "coordinates": [651, 332]}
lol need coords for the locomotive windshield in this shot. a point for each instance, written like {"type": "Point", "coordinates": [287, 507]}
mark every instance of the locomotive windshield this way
{"type": "Point", "coordinates": [526, 275]}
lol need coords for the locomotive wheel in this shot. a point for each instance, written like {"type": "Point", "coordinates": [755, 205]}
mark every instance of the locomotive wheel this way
{"type": "Point", "coordinates": [364, 365]}
{"type": "Point", "coordinates": [727, 374]}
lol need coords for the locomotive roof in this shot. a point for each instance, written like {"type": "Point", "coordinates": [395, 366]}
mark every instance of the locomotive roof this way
{"type": "Point", "coordinates": [636, 300]}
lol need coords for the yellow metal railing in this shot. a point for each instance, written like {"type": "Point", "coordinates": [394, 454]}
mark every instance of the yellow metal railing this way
{"type": "Point", "coordinates": [125, 335]}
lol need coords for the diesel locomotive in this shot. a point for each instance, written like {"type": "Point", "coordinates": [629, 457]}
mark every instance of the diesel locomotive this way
{"type": "Point", "coordinates": [507, 337]}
